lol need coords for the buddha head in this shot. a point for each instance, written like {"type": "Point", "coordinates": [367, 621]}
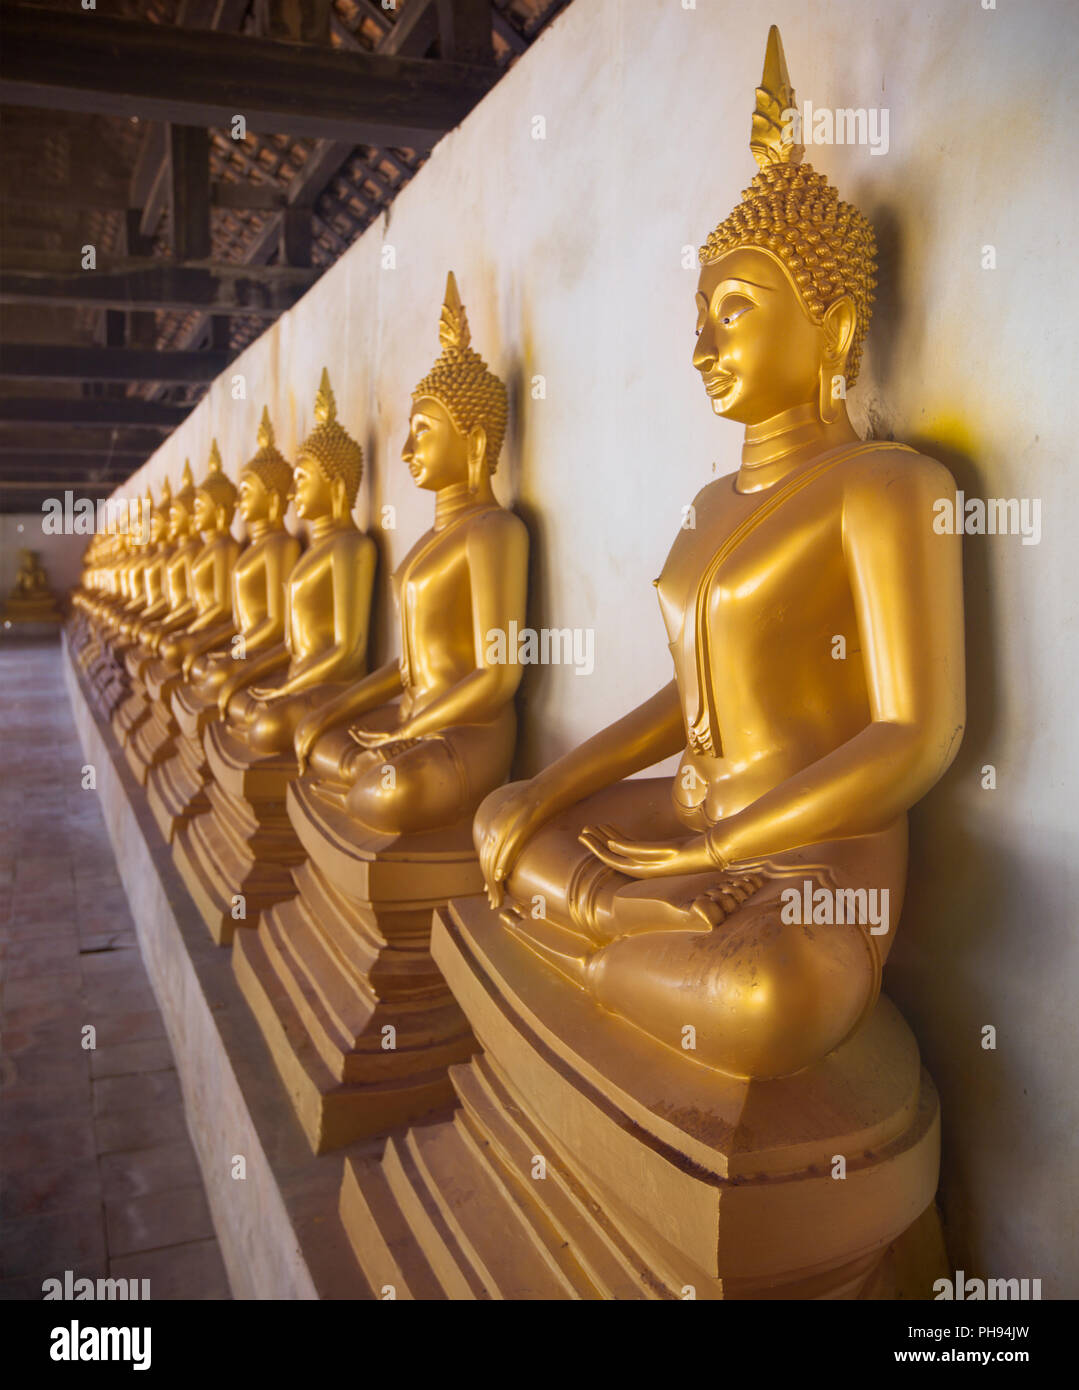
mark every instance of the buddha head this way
{"type": "Point", "coordinates": [215, 497]}
{"type": "Point", "coordinates": [785, 291]}
{"type": "Point", "coordinates": [266, 480]}
{"type": "Point", "coordinates": [182, 506]}
{"type": "Point", "coordinates": [459, 410]}
{"type": "Point", "coordinates": [329, 465]}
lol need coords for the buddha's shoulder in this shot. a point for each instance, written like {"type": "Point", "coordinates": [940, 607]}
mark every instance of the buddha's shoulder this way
{"type": "Point", "coordinates": [881, 468]}
{"type": "Point", "coordinates": [497, 526]}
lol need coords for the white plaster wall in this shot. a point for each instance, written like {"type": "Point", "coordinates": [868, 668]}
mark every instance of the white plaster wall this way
{"type": "Point", "coordinates": [568, 253]}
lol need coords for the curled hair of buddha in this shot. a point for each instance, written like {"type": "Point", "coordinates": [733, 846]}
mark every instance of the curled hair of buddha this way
{"type": "Point", "coordinates": [269, 465]}
{"type": "Point", "coordinates": [462, 382]}
{"type": "Point", "coordinates": [330, 446]}
{"type": "Point", "coordinates": [827, 246]}
{"type": "Point", "coordinates": [217, 485]}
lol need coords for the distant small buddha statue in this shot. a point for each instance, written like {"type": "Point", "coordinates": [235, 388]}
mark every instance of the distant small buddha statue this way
{"type": "Point", "coordinates": [679, 1003]}
{"type": "Point", "coordinates": [328, 597]}
{"type": "Point", "coordinates": [259, 576]}
{"type": "Point", "coordinates": [31, 599]}
{"type": "Point", "coordinates": [450, 736]}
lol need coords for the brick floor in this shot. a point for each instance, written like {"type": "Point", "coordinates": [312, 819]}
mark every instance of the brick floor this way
{"type": "Point", "coordinates": [97, 1173]}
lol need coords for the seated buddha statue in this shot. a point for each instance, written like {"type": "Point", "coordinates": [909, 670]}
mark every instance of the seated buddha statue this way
{"type": "Point", "coordinates": [328, 597]}
{"type": "Point", "coordinates": [149, 581]}
{"type": "Point", "coordinates": [258, 578]}
{"type": "Point", "coordinates": [815, 623]}
{"type": "Point", "coordinates": [31, 599]}
{"type": "Point", "coordinates": [211, 569]}
{"type": "Point", "coordinates": [176, 607]}
{"type": "Point", "coordinates": [442, 716]}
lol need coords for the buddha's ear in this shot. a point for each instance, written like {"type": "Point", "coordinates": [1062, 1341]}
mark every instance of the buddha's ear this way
{"type": "Point", "coordinates": [840, 322]}
{"type": "Point", "coordinates": [477, 456]}
{"type": "Point", "coordinates": [339, 496]}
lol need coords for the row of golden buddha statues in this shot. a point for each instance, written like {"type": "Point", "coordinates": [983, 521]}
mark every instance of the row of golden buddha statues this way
{"type": "Point", "coordinates": [594, 1051]}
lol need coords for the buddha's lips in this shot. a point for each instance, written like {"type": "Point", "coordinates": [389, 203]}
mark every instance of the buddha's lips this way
{"type": "Point", "coordinates": [719, 383]}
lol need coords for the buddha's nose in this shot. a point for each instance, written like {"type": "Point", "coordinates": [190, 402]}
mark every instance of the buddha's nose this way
{"type": "Point", "coordinates": [704, 351]}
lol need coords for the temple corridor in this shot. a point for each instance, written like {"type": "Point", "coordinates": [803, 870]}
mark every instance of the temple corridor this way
{"type": "Point", "coordinates": [97, 1174]}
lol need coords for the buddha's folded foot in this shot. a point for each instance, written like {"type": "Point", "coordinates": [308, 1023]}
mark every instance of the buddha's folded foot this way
{"type": "Point", "coordinates": [720, 899]}
{"type": "Point", "coordinates": [563, 950]}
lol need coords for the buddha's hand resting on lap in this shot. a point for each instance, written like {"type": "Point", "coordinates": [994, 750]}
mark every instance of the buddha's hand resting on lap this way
{"type": "Point", "coordinates": [521, 812]}
{"type": "Point", "coordinates": [648, 858]}
{"type": "Point", "coordinates": [266, 694]}
{"type": "Point", "coordinates": [308, 732]}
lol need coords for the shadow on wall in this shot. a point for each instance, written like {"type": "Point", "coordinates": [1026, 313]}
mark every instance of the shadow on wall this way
{"type": "Point", "coordinates": [958, 916]}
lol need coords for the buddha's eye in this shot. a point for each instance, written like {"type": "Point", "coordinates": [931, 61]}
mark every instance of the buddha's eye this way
{"type": "Point", "coordinates": [733, 307]}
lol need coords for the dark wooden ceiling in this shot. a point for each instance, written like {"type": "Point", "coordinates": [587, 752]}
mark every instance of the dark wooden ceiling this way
{"type": "Point", "coordinates": [115, 134]}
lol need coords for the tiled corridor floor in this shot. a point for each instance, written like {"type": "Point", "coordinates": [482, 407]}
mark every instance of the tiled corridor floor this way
{"type": "Point", "coordinates": [97, 1173]}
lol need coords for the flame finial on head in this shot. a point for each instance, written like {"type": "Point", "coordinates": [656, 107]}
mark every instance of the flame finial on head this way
{"type": "Point", "coordinates": [331, 446]}
{"type": "Point", "coordinates": [769, 139]}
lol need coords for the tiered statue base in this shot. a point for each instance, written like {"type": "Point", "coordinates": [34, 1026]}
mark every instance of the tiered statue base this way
{"type": "Point", "coordinates": [44, 612]}
{"type": "Point", "coordinates": [176, 787]}
{"type": "Point", "coordinates": [236, 856]}
{"type": "Point", "coordinates": [587, 1161]}
{"type": "Point", "coordinates": [153, 739]}
{"type": "Point", "coordinates": [360, 1023]}
{"type": "Point", "coordinates": [135, 709]}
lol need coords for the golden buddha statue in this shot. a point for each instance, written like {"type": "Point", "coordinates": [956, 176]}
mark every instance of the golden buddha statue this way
{"type": "Point", "coordinates": [31, 599]}
{"type": "Point", "coordinates": [450, 736]}
{"type": "Point", "coordinates": [256, 621]}
{"type": "Point", "coordinates": [329, 593]}
{"type": "Point", "coordinates": [211, 569]}
{"type": "Point", "coordinates": [153, 662]}
{"type": "Point", "coordinates": [176, 606]}
{"type": "Point", "coordinates": [395, 766]}
{"type": "Point", "coordinates": [174, 783]}
{"type": "Point", "coordinates": [688, 970]}
{"type": "Point", "coordinates": [149, 594]}
{"type": "Point", "coordinates": [134, 597]}
{"type": "Point", "coordinates": [242, 849]}
{"type": "Point", "coordinates": [259, 576]}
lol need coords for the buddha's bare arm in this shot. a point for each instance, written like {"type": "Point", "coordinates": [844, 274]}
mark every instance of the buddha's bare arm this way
{"type": "Point", "coordinates": [497, 551]}
{"type": "Point", "coordinates": [375, 689]}
{"type": "Point", "coordinates": [653, 731]}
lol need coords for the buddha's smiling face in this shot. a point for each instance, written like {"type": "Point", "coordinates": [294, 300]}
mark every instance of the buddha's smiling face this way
{"type": "Point", "coordinates": [254, 500]}
{"type": "Point", "coordinates": [312, 490]}
{"type": "Point", "coordinates": [758, 351]}
{"type": "Point", "coordinates": [436, 452]}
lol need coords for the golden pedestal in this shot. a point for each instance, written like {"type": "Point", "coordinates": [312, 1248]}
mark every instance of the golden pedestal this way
{"type": "Point", "coordinates": [360, 1023]}
{"type": "Point", "coordinates": [587, 1162]}
{"type": "Point", "coordinates": [176, 787]}
{"type": "Point", "coordinates": [242, 844]}
{"type": "Point", "coordinates": [153, 739]}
